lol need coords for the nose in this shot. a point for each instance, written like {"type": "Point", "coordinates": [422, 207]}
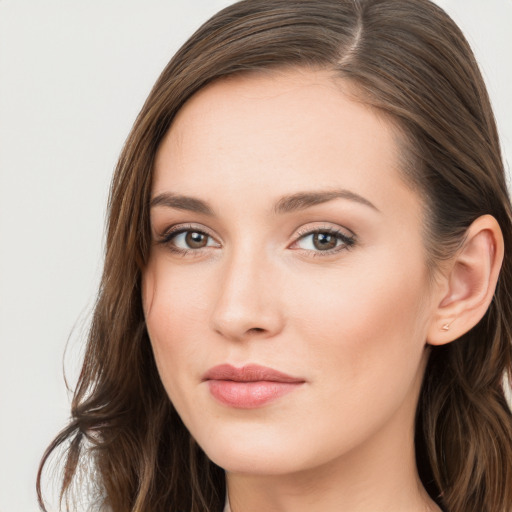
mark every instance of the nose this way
{"type": "Point", "coordinates": [248, 301]}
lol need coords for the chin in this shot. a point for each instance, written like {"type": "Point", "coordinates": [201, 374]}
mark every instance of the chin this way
{"type": "Point", "coordinates": [254, 462]}
{"type": "Point", "coordinates": [247, 451]}
{"type": "Point", "coordinates": [260, 451]}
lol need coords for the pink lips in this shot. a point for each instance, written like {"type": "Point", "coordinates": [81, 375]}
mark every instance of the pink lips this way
{"type": "Point", "coordinates": [250, 386]}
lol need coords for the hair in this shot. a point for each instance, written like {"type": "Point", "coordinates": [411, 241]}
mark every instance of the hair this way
{"type": "Point", "coordinates": [409, 61]}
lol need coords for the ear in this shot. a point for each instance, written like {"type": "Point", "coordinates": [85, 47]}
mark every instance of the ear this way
{"type": "Point", "coordinates": [467, 286]}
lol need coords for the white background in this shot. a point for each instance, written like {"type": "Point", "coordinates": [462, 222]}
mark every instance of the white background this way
{"type": "Point", "coordinates": [73, 76]}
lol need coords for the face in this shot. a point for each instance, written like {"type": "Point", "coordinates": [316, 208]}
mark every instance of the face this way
{"type": "Point", "coordinates": [286, 295]}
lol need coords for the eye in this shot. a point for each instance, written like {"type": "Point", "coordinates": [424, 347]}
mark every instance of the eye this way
{"type": "Point", "coordinates": [183, 240]}
{"type": "Point", "coordinates": [324, 240]}
{"type": "Point", "coordinates": [191, 240]}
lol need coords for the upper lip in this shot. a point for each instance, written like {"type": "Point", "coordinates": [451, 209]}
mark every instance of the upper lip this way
{"type": "Point", "coordinates": [248, 373]}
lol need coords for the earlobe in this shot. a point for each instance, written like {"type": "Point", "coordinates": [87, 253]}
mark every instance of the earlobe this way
{"type": "Point", "coordinates": [469, 283]}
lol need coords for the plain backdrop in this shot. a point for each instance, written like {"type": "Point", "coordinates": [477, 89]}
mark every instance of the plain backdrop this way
{"type": "Point", "coordinates": [73, 76]}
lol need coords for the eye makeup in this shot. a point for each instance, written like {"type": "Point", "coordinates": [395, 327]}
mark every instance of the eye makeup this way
{"type": "Point", "coordinates": [185, 239]}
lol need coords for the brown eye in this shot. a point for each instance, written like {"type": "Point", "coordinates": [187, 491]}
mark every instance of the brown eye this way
{"type": "Point", "coordinates": [189, 240]}
{"type": "Point", "coordinates": [324, 241]}
{"type": "Point", "coordinates": [196, 240]}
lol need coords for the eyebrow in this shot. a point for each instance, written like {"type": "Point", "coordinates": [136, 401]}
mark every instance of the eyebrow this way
{"type": "Point", "coordinates": [286, 204]}
{"type": "Point", "coordinates": [180, 202]}
{"type": "Point", "coordinates": [303, 200]}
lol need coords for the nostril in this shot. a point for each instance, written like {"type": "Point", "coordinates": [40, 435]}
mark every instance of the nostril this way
{"type": "Point", "coordinates": [256, 329]}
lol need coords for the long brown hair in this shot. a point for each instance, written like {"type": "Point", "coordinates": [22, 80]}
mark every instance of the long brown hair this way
{"type": "Point", "coordinates": [408, 60]}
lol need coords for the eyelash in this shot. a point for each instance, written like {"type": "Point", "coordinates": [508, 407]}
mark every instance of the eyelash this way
{"type": "Point", "coordinates": [172, 233]}
{"type": "Point", "coordinates": [347, 241]}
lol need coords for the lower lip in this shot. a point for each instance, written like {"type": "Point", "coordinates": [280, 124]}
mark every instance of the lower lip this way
{"type": "Point", "coordinates": [249, 395]}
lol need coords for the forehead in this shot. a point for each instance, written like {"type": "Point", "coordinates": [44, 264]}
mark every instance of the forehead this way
{"type": "Point", "coordinates": [283, 132]}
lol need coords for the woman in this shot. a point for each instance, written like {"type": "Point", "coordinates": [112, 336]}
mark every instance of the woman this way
{"type": "Point", "coordinates": [305, 302]}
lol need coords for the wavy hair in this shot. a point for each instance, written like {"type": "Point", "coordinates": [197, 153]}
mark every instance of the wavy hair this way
{"type": "Point", "coordinates": [409, 61]}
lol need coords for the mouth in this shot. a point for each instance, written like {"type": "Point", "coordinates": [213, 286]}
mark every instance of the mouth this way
{"type": "Point", "coordinates": [249, 387]}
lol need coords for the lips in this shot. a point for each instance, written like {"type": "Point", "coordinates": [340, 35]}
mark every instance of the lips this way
{"type": "Point", "coordinates": [249, 387]}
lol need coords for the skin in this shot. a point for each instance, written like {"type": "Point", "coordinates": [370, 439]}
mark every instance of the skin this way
{"type": "Point", "coordinates": [351, 323]}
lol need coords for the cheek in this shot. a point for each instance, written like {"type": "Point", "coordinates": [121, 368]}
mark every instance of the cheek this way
{"type": "Point", "coordinates": [175, 309]}
{"type": "Point", "coordinates": [173, 300]}
{"type": "Point", "coordinates": [367, 327]}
